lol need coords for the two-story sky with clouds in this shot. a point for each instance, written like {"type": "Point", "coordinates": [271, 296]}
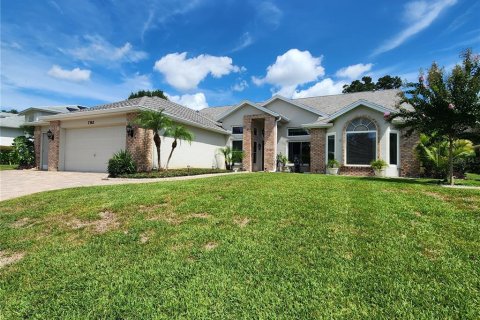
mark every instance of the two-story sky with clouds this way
{"type": "Point", "coordinates": [211, 52]}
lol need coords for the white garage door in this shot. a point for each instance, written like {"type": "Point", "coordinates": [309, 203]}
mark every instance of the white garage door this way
{"type": "Point", "coordinates": [89, 149]}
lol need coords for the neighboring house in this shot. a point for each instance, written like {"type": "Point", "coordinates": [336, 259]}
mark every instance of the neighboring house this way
{"type": "Point", "coordinates": [10, 128]}
{"type": "Point", "coordinates": [347, 127]}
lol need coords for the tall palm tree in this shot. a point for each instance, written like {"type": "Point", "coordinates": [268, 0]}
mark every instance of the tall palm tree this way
{"type": "Point", "coordinates": [155, 121]}
{"type": "Point", "coordinates": [177, 132]}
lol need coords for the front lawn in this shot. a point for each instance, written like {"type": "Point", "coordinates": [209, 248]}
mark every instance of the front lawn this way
{"type": "Point", "coordinates": [8, 167]}
{"type": "Point", "coordinates": [243, 246]}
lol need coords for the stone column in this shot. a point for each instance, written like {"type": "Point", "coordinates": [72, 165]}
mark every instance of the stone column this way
{"type": "Point", "coordinates": [54, 146]}
{"type": "Point", "coordinates": [410, 165]}
{"type": "Point", "coordinates": [140, 145]}
{"type": "Point", "coordinates": [37, 141]}
{"type": "Point", "coordinates": [317, 150]}
{"type": "Point", "coordinates": [247, 143]}
{"type": "Point", "coordinates": [270, 158]}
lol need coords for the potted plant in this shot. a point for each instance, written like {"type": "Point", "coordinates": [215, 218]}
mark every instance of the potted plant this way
{"type": "Point", "coordinates": [332, 167]}
{"type": "Point", "coordinates": [282, 162]}
{"type": "Point", "coordinates": [378, 167]}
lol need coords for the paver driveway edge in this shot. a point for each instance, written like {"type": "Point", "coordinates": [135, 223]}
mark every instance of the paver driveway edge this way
{"type": "Point", "coordinates": [18, 183]}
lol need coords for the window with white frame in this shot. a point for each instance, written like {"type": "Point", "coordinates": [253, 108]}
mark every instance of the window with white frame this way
{"type": "Point", "coordinates": [331, 146]}
{"type": "Point", "coordinates": [361, 142]}
{"type": "Point", "coordinates": [393, 152]}
{"type": "Point", "coordinates": [295, 132]}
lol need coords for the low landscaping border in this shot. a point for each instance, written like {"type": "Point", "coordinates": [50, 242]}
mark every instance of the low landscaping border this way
{"type": "Point", "coordinates": [172, 173]}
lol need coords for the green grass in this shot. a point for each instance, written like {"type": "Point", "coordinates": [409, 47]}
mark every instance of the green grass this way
{"type": "Point", "coordinates": [471, 179]}
{"type": "Point", "coordinates": [171, 173]}
{"type": "Point", "coordinates": [244, 246]}
{"type": "Point", "coordinates": [8, 167]}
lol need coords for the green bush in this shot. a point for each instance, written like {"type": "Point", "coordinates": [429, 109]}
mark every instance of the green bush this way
{"type": "Point", "coordinates": [23, 152]}
{"type": "Point", "coordinates": [378, 164]}
{"type": "Point", "coordinates": [332, 163]}
{"type": "Point", "coordinates": [121, 163]}
{"type": "Point", "coordinates": [172, 173]}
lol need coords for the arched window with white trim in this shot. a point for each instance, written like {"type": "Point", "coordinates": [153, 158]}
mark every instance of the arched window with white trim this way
{"type": "Point", "coordinates": [361, 141]}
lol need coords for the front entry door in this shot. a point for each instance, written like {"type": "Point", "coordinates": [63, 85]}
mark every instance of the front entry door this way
{"type": "Point", "coordinates": [44, 161]}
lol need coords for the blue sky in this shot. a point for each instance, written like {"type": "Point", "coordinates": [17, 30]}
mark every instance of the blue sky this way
{"type": "Point", "coordinates": [210, 53]}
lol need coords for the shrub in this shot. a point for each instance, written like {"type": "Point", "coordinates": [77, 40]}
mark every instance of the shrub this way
{"type": "Point", "coordinates": [121, 163]}
{"type": "Point", "coordinates": [23, 151]}
{"type": "Point", "coordinates": [172, 173]}
{"type": "Point", "coordinates": [378, 164]}
{"type": "Point", "coordinates": [332, 163]}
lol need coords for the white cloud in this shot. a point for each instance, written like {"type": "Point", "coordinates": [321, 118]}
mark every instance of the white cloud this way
{"type": "Point", "coordinates": [292, 69]}
{"type": "Point", "coordinates": [100, 50]}
{"type": "Point", "coordinates": [354, 71]}
{"type": "Point", "coordinates": [269, 13]}
{"type": "Point", "coordinates": [325, 87]}
{"type": "Point", "coordinates": [186, 74]}
{"type": "Point", "coordinates": [418, 15]}
{"type": "Point", "coordinates": [75, 74]}
{"type": "Point", "coordinates": [242, 85]}
{"type": "Point", "coordinates": [245, 40]}
{"type": "Point", "coordinates": [27, 77]}
{"type": "Point", "coordinates": [195, 101]}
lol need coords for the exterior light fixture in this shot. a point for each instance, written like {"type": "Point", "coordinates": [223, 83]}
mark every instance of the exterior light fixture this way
{"type": "Point", "coordinates": [50, 135]}
{"type": "Point", "coordinates": [130, 130]}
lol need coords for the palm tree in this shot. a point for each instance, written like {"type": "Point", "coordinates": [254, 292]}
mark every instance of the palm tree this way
{"type": "Point", "coordinates": [177, 132]}
{"type": "Point", "coordinates": [155, 121]}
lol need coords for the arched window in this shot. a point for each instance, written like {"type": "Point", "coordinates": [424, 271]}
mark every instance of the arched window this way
{"type": "Point", "coordinates": [361, 138]}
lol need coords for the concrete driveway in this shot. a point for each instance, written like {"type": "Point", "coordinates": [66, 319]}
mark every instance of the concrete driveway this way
{"type": "Point", "coordinates": [17, 183]}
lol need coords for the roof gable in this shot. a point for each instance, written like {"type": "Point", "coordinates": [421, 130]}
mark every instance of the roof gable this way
{"type": "Point", "coordinates": [293, 103]}
{"type": "Point", "coordinates": [247, 103]}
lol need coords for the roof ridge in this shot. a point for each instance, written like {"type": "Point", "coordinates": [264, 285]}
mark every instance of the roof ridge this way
{"type": "Point", "coordinates": [346, 93]}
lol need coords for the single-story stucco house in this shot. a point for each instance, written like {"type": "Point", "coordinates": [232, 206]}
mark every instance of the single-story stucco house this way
{"type": "Point", "coordinates": [347, 127]}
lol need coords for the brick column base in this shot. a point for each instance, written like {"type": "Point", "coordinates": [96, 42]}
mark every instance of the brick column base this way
{"type": "Point", "coordinates": [410, 165]}
{"type": "Point", "coordinates": [317, 150]}
{"type": "Point", "coordinates": [54, 146]}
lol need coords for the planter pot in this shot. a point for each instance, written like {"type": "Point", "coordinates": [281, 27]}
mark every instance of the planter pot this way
{"type": "Point", "coordinates": [379, 172]}
{"type": "Point", "coordinates": [332, 171]}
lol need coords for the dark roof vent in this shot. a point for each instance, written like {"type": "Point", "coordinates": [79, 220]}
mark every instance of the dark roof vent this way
{"type": "Point", "coordinates": [81, 107]}
{"type": "Point", "coordinates": [72, 109]}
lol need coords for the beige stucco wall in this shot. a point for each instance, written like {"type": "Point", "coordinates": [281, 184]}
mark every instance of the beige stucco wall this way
{"type": "Point", "coordinates": [297, 117]}
{"type": "Point", "coordinates": [235, 119]}
{"type": "Point", "coordinates": [384, 128]}
{"type": "Point", "coordinates": [203, 152]}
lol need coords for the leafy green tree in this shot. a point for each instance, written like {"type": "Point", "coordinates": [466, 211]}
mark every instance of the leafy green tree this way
{"type": "Point", "coordinates": [366, 84]}
{"type": "Point", "coordinates": [148, 93]}
{"type": "Point", "coordinates": [155, 121]}
{"type": "Point", "coordinates": [177, 132]}
{"type": "Point", "coordinates": [444, 106]}
{"type": "Point", "coordinates": [23, 151]}
{"type": "Point", "coordinates": [15, 111]}
{"type": "Point", "coordinates": [388, 82]}
{"type": "Point", "coordinates": [357, 86]}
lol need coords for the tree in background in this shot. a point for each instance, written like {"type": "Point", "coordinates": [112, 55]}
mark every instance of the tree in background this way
{"type": "Point", "coordinates": [177, 132]}
{"type": "Point", "coordinates": [444, 106]}
{"type": "Point", "coordinates": [15, 111]}
{"type": "Point", "coordinates": [155, 121]}
{"type": "Point", "coordinates": [367, 84]}
{"type": "Point", "coordinates": [148, 93]}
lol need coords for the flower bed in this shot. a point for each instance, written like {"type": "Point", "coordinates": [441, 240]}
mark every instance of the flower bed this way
{"type": "Point", "coordinates": [172, 173]}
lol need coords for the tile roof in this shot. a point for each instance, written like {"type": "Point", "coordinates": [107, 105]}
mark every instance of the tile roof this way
{"type": "Point", "coordinates": [331, 103]}
{"type": "Point", "coordinates": [15, 121]}
{"type": "Point", "coordinates": [53, 109]}
{"type": "Point", "coordinates": [172, 108]}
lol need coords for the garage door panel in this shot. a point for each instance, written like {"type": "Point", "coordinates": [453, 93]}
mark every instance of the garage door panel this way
{"type": "Point", "coordinates": [89, 149]}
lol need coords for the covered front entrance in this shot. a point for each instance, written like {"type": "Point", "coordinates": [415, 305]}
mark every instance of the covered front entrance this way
{"type": "Point", "coordinates": [259, 142]}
